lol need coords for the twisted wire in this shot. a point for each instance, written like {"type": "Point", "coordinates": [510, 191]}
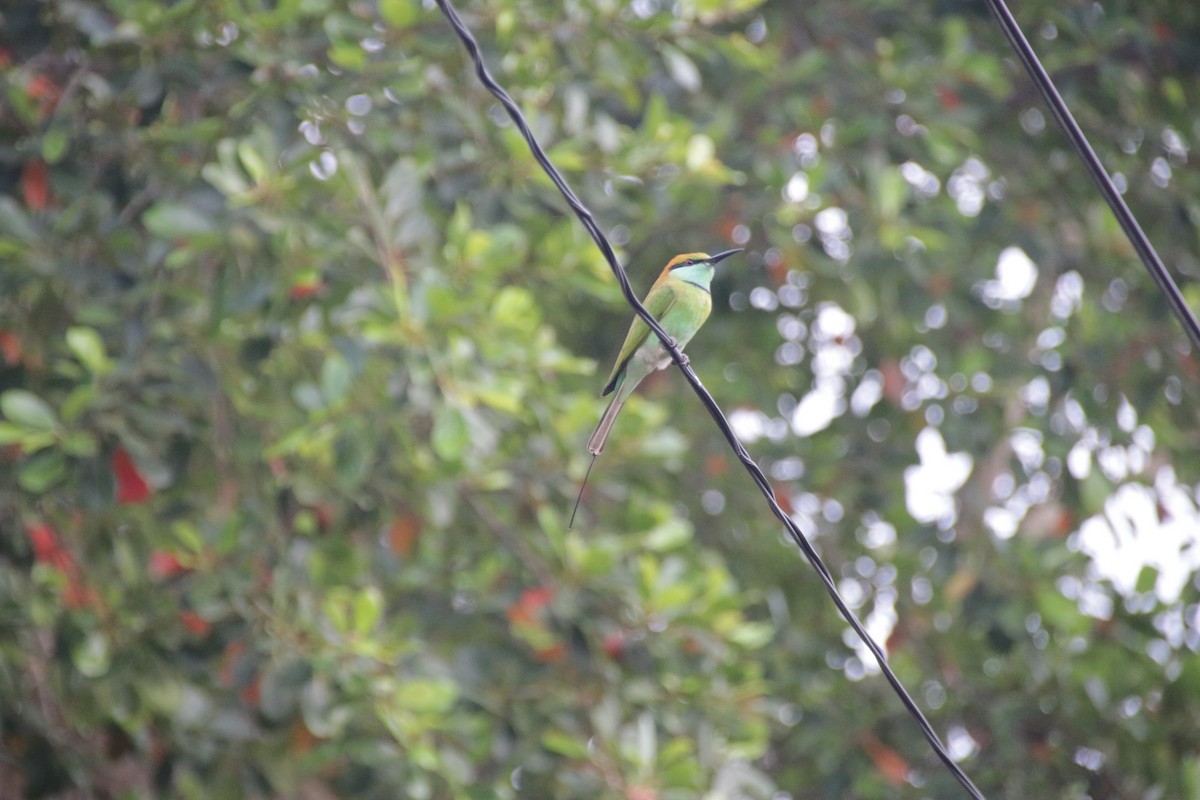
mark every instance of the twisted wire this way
{"type": "Point", "coordinates": [1091, 162]}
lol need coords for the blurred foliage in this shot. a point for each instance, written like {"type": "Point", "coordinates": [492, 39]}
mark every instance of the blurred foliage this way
{"type": "Point", "coordinates": [299, 350]}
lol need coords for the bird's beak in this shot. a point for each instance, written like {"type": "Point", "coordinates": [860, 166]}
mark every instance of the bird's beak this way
{"type": "Point", "coordinates": [719, 257]}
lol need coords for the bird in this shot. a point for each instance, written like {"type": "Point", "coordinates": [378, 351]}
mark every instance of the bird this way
{"type": "Point", "coordinates": [680, 300]}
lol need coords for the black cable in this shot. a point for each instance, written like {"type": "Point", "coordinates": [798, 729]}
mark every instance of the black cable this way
{"type": "Point", "coordinates": [755, 471]}
{"type": "Point", "coordinates": [1137, 237]}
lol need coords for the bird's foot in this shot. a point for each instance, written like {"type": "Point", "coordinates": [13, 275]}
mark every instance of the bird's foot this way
{"type": "Point", "coordinates": [666, 358]}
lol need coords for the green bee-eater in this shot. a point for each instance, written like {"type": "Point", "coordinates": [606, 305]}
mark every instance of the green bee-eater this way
{"type": "Point", "coordinates": [680, 300]}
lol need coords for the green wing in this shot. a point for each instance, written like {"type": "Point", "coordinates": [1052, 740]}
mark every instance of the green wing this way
{"type": "Point", "coordinates": [658, 302]}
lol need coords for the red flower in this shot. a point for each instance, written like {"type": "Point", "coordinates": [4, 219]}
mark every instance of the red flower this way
{"type": "Point", "coordinates": [131, 486]}
{"type": "Point", "coordinates": [949, 97]}
{"type": "Point", "coordinates": [48, 549]}
{"type": "Point", "coordinates": [195, 623]}
{"type": "Point", "coordinates": [304, 289]}
{"type": "Point", "coordinates": [535, 598]}
{"type": "Point", "coordinates": [10, 347]}
{"type": "Point", "coordinates": [44, 541]}
{"type": "Point", "coordinates": [165, 564]}
{"type": "Point", "coordinates": [614, 644]}
{"type": "Point", "coordinates": [46, 92]}
{"type": "Point", "coordinates": [525, 610]}
{"type": "Point", "coordinates": [35, 185]}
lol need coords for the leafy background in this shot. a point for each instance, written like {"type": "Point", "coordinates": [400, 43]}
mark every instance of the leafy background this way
{"type": "Point", "coordinates": [299, 350]}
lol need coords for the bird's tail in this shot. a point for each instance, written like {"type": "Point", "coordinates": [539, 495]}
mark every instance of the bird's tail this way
{"type": "Point", "coordinates": [596, 443]}
{"type": "Point", "coordinates": [600, 435]}
{"type": "Point", "coordinates": [579, 496]}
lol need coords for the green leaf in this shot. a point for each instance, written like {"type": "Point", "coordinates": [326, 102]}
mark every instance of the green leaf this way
{"type": "Point", "coordinates": [669, 535]}
{"type": "Point", "coordinates": [42, 471]}
{"type": "Point", "coordinates": [671, 598]}
{"type": "Point", "coordinates": [335, 378]}
{"type": "Point", "coordinates": [752, 635]}
{"type": "Point", "coordinates": [169, 220]}
{"type": "Point", "coordinates": [348, 55]}
{"type": "Point", "coordinates": [399, 13]}
{"type": "Point", "coordinates": [425, 695]}
{"type": "Point", "coordinates": [683, 70]}
{"type": "Point", "coordinates": [564, 744]}
{"type": "Point", "coordinates": [368, 608]}
{"type": "Point", "coordinates": [27, 410]}
{"type": "Point", "coordinates": [1095, 490]}
{"type": "Point", "coordinates": [308, 396]}
{"type": "Point", "coordinates": [1059, 614]}
{"type": "Point", "coordinates": [593, 557]}
{"type": "Point", "coordinates": [504, 397]}
{"type": "Point", "coordinates": [187, 535]}
{"type": "Point", "coordinates": [1146, 579]}
{"type": "Point", "coordinates": [515, 307]}
{"type": "Point", "coordinates": [700, 152]}
{"type": "Point", "coordinates": [75, 403]}
{"type": "Point", "coordinates": [10, 248]}
{"type": "Point", "coordinates": [87, 346]}
{"type": "Point", "coordinates": [252, 162]}
{"type": "Point", "coordinates": [450, 433]}
{"type": "Point", "coordinates": [890, 192]}
{"type": "Point", "coordinates": [11, 434]}
{"type": "Point", "coordinates": [79, 443]}
{"type": "Point", "coordinates": [337, 610]}
{"type": "Point", "coordinates": [54, 145]}
{"type": "Point", "coordinates": [92, 656]}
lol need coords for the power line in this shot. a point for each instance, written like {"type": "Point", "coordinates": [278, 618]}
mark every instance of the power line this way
{"type": "Point", "coordinates": [1129, 224]}
{"type": "Point", "coordinates": [585, 217]}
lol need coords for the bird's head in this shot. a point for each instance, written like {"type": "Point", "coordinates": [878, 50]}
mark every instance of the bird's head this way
{"type": "Point", "coordinates": [696, 267]}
